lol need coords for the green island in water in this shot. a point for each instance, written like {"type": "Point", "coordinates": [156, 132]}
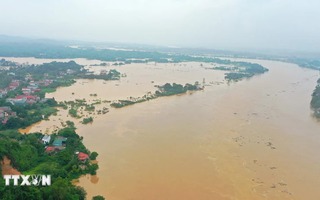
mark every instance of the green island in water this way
{"type": "Point", "coordinates": [239, 70]}
{"type": "Point", "coordinates": [165, 90]}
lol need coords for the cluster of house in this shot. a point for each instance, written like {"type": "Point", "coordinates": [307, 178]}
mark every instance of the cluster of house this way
{"type": "Point", "coordinates": [28, 96]}
{"type": "Point", "coordinates": [23, 99]}
{"type": "Point", "coordinates": [12, 86]}
{"type": "Point", "coordinates": [6, 113]}
{"type": "Point", "coordinates": [58, 144]}
{"type": "Point", "coordinates": [34, 86]}
{"type": "Point", "coordinates": [31, 88]}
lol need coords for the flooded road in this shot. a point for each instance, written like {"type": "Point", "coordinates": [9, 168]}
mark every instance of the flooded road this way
{"type": "Point", "coordinates": [255, 139]}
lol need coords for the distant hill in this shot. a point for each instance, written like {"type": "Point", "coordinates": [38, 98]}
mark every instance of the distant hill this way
{"type": "Point", "coordinates": [14, 46]}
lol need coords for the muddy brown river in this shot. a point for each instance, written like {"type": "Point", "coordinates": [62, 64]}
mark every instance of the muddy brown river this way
{"type": "Point", "coordinates": [250, 140]}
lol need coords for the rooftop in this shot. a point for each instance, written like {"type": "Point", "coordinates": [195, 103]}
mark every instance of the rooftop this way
{"type": "Point", "coordinates": [83, 156]}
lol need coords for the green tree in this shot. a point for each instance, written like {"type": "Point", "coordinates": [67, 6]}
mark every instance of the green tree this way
{"type": "Point", "coordinates": [99, 197]}
{"type": "Point", "coordinates": [93, 169]}
{"type": "Point", "coordinates": [93, 155]}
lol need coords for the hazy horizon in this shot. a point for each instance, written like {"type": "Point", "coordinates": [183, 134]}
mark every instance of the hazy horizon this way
{"type": "Point", "coordinates": [218, 24]}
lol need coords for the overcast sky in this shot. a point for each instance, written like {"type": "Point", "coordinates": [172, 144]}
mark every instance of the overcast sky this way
{"type": "Point", "coordinates": [220, 24]}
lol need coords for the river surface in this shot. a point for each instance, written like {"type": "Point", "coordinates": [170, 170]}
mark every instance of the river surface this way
{"type": "Point", "coordinates": [250, 140]}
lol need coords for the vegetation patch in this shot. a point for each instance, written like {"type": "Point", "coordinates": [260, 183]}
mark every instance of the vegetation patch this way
{"type": "Point", "coordinates": [239, 70]}
{"type": "Point", "coordinates": [87, 120]}
{"type": "Point", "coordinates": [164, 90]}
{"type": "Point", "coordinates": [29, 155]}
{"type": "Point", "coordinates": [315, 101]}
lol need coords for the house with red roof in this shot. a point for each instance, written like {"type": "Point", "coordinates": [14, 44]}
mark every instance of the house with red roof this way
{"type": "Point", "coordinates": [15, 101]}
{"type": "Point", "coordinates": [29, 98]}
{"type": "Point", "coordinates": [50, 149]}
{"type": "Point", "coordinates": [83, 156]}
{"type": "Point", "coordinates": [14, 84]}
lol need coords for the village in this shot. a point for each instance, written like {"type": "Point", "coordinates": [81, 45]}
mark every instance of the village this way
{"type": "Point", "coordinates": [23, 102]}
{"type": "Point", "coordinates": [23, 95]}
{"type": "Point", "coordinates": [23, 88]}
{"type": "Point", "coordinates": [53, 146]}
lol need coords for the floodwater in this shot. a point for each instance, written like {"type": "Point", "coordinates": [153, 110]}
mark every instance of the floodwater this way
{"type": "Point", "coordinates": [251, 140]}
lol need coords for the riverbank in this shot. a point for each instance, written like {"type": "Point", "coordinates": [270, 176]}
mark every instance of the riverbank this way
{"type": "Point", "coordinates": [315, 101]}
